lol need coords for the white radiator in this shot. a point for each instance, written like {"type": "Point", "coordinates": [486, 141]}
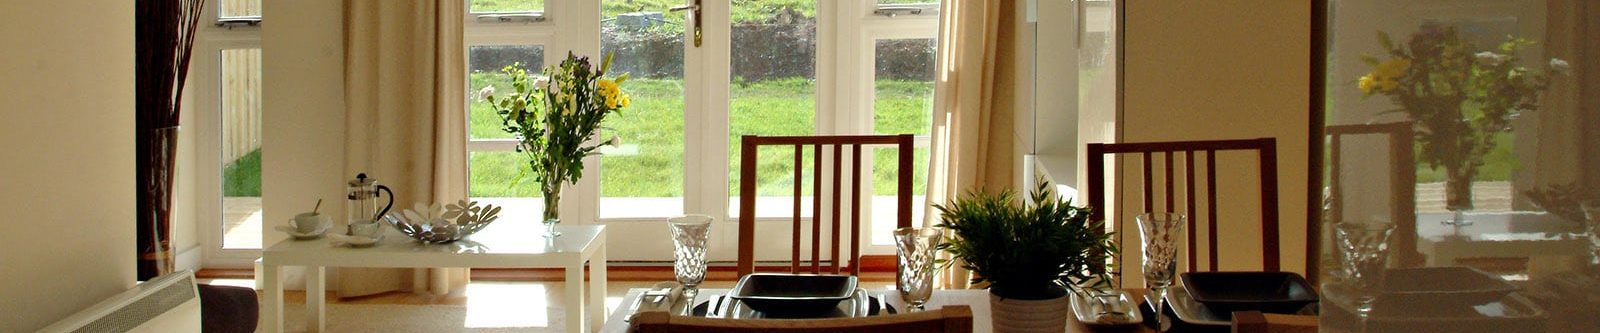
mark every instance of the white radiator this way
{"type": "Point", "coordinates": [169, 303]}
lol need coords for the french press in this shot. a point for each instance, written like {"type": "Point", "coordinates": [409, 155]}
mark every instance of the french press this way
{"type": "Point", "coordinates": [361, 204]}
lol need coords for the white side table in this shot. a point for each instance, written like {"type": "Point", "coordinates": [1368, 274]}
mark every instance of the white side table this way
{"type": "Point", "coordinates": [508, 244]}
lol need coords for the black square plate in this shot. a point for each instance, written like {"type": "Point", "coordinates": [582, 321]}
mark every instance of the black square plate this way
{"type": "Point", "coordinates": [1269, 292]}
{"type": "Point", "coordinates": [793, 294]}
{"type": "Point", "coordinates": [1441, 287]}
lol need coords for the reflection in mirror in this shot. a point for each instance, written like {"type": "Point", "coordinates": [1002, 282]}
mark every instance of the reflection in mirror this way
{"type": "Point", "coordinates": [1470, 126]}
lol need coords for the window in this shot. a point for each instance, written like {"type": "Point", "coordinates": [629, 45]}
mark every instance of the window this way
{"type": "Point", "coordinates": [497, 37]}
{"type": "Point", "coordinates": [225, 89]}
{"type": "Point", "coordinates": [774, 71]}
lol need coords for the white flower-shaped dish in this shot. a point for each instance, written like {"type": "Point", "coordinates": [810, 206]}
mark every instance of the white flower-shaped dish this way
{"type": "Point", "coordinates": [353, 241]}
{"type": "Point", "coordinates": [303, 236]}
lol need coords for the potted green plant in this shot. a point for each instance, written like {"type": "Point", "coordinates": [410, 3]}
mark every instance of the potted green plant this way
{"type": "Point", "coordinates": [1028, 254]}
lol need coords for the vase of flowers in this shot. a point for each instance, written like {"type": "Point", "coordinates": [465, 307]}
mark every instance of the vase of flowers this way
{"type": "Point", "coordinates": [1030, 255]}
{"type": "Point", "coordinates": [1458, 97]}
{"type": "Point", "coordinates": [555, 118]}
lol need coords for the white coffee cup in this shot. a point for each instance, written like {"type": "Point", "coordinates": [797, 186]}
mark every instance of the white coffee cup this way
{"type": "Point", "coordinates": [307, 223]}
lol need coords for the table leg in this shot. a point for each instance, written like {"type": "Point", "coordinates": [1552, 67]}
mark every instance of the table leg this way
{"type": "Point", "coordinates": [316, 298]}
{"type": "Point", "coordinates": [575, 318]}
{"type": "Point", "coordinates": [597, 288]}
{"type": "Point", "coordinates": [272, 311]}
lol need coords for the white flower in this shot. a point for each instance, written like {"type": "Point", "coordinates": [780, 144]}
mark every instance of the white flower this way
{"type": "Point", "coordinates": [616, 141]}
{"type": "Point", "coordinates": [542, 83]}
{"type": "Point", "coordinates": [486, 92]}
{"type": "Point", "coordinates": [1559, 66]}
{"type": "Point", "coordinates": [1490, 58]}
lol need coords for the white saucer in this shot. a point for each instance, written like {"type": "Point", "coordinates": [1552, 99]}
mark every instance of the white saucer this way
{"type": "Point", "coordinates": [303, 236]}
{"type": "Point", "coordinates": [354, 241]}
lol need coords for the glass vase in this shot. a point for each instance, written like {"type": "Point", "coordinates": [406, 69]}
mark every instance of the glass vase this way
{"type": "Point", "coordinates": [552, 209]}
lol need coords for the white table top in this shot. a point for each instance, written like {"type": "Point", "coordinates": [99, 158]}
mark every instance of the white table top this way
{"type": "Point", "coordinates": [978, 299]}
{"type": "Point", "coordinates": [503, 244]}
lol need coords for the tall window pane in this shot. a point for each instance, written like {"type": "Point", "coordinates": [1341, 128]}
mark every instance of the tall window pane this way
{"type": "Point", "coordinates": [902, 104]}
{"type": "Point", "coordinates": [773, 93]}
{"type": "Point", "coordinates": [241, 148]}
{"type": "Point", "coordinates": [643, 177]}
{"type": "Point", "coordinates": [496, 174]}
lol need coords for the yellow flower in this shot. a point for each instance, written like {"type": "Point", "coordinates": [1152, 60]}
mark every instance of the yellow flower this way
{"type": "Point", "coordinates": [1366, 83]}
{"type": "Point", "coordinates": [611, 101]}
{"type": "Point", "coordinates": [608, 87]}
{"type": "Point", "coordinates": [626, 101]}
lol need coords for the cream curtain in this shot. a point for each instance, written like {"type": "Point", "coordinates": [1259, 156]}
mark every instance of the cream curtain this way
{"type": "Point", "coordinates": [972, 127]}
{"type": "Point", "coordinates": [405, 118]}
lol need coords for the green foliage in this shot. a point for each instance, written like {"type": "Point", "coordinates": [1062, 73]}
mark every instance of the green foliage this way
{"type": "Point", "coordinates": [242, 177]}
{"type": "Point", "coordinates": [1025, 250]}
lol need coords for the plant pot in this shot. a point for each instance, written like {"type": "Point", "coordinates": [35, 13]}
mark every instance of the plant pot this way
{"type": "Point", "coordinates": [1017, 315]}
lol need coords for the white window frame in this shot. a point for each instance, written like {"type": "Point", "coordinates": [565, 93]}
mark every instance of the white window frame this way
{"type": "Point", "coordinates": [205, 82]}
{"type": "Point", "coordinates": [859, 36]}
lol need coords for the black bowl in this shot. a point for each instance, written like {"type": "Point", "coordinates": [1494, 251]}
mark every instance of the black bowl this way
{"type": "Point", "coordinates": [1269, 292]}
{"type": "Point", "coordinates": [793, 294]}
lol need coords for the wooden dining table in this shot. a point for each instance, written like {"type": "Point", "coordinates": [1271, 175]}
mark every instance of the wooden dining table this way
{"type": "Point", "coordinates": [977, 299]}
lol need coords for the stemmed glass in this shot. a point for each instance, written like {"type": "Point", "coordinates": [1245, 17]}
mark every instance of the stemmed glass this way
{"type": "Point", "coordinates": [916, 248]}
{"type": "Point", "coordinates": [1363, 249]}
{"type": "Point", "coordinates": [1591, 226]}
{"type": "Point", "coordinates": [689, 236]}
{"type": "Point", "coordinates": [1159, 235]}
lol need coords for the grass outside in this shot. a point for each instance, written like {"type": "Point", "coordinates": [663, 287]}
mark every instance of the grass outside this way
{"type": "Point", "coordinates": [652, 130]}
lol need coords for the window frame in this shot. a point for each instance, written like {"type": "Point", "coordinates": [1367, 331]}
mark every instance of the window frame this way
{"type": "Point", "coordinates": [216, 34]}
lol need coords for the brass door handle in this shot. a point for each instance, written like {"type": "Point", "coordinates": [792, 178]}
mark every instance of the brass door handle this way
{"type": "Point", "coordinates": [694, 15]}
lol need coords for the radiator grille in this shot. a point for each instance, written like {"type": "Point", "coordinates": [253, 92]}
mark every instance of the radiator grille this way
{"type": "Point", "coordinates": [133, 315]}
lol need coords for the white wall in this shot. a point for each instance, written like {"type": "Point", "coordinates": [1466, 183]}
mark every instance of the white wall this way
{"type": "Point", "coordinates": [66, 169]}
{"type": "Point", "coordinates": [302, 118]}
{"type": "Point", "coordinates": [1223, 70]}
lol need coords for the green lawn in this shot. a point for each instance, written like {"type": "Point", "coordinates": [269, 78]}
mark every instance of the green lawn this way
{"type": "Point", "coordinates": [242, 177]}
{"type": "Point", "coordinates": [653, 130]}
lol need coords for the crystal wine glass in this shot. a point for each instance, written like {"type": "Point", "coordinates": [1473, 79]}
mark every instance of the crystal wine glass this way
{"type": "Point", "coordinates": [689, 236]}
{"type": "Point", "coordinates": [916, 248]}
{"type": "Point", "coordinates": [1159, 235]}
{"type": "Point", "coordinates": [1591, 227]}
{"type": "Point", "coordinates": [1363, 249]}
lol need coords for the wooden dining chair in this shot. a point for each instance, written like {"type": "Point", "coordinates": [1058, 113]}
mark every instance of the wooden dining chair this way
{"type": "Point", "coordinates": [1402, 183]}
{"type": "Point", "coordinates": [1191, 152]}
{"type": "Point", "coordinates": [948, 319]}
{"type": "Point", "coordinates": [747, 195]}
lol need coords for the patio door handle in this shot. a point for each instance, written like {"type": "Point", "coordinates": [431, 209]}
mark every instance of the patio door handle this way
{"type": "Point", "coordinates": [694, 16]}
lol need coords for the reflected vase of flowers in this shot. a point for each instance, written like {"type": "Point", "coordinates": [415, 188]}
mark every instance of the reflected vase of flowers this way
{"type": "Point", "coordinates": [1460, 97]}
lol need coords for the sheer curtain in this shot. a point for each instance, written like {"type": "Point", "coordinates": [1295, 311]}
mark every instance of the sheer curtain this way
{"type": "Point", "coordinates": [972, 125]}
{"type": "Point", "coordinates": [405, 90]}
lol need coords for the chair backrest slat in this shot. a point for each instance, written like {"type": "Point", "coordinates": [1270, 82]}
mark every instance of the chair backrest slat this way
{"type": "Point", "coordinates": [855, 209]}
{"type": "Point", "coordinates": [838, 169]}
{"type": "Point", "coordinates": [1188, 198]}
{"type": "Point", "coordinates": [794, 264]}
{"type": "Point", "coordinates": [747, 196]}
{"type": "Point", "coordinates": [816, 208]}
